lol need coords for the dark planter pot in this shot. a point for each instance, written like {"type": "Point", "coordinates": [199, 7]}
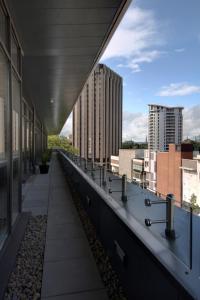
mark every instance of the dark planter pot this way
{"type": "Point", "coordinates": [44, 169]}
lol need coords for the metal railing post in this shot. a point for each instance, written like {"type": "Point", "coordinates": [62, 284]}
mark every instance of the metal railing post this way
{"type": "Point", "coordinates": [169, 231]}
{"type": "Point", "coordinates": [124, 196]}
{"type": "Point", "coordinates": [169, 202]}
{"type": "Point", "coordinates": [104, 176]}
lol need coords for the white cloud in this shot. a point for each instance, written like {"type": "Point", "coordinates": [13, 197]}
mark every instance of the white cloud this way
{"type": "Point", "coordinates": [67, 128]}
{"type": "Point", "coordinates": [136, 39]}
{"type": "Point", "coordinates": [135, 126]}
{"type": "Point", "coordinates": [144, 57]}
{"type": "Point", "coordinates": [179, 50]}
{"type": "Point", "coordinates": [178, 89]}
{"type": "Point", "coordinates": [191, 121]}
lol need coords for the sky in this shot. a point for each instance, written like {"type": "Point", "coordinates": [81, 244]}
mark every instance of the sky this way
{"type": "Point", "coordinates": [156, 50]}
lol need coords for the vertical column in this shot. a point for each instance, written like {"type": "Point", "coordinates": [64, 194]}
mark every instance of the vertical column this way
{"type": "Point", "coordinates": [33, 141]}
{"type": "Point", "coordinates": [73, 127]}
{"type": "Point", "coordinates": [20, 140]}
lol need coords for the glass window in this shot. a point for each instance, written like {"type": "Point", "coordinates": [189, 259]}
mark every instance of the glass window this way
{"type": "Point", "coordinates": [4, 88]}
{"type": "Point", "coordinates": [3, 27]}
{"type": "Point", "coordinates": [15, 53]}
{"type": "Point", "coordinates": [16, 149]}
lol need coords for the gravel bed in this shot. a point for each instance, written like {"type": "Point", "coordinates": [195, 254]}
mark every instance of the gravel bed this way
{"type": "Point", "coordinates": [26, 279]}
{"type": "Point", "coordinates": [108, 275]}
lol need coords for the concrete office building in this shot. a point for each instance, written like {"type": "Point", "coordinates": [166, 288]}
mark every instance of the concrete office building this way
{"type": "Point", "coordinates": [165, 127]}
{"type": "Point", "coordinates": [97, 116]}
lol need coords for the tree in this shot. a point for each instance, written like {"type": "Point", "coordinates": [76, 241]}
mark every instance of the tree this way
{"type": "Point", "coordinates": [134, 145]}
{"type": "Point", "coordinates": [56, 141]}
{"type": "Point", "coordinates": [193, 202]}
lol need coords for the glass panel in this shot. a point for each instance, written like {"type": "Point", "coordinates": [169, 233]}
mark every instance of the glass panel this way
{"type": "Point", "coordinates": [4, 81]}
{"type": "Point", "coordinates": [15, 53]}
{"type": "Point", "coordinates": [3, 27]}
{"type": "Point", "coordinates": [16, 149]}
{"type": "Point", "coordinates": [30, 140]}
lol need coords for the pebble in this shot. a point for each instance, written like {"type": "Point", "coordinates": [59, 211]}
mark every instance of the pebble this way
{"type": "Point", "coordinates": [26, 279]}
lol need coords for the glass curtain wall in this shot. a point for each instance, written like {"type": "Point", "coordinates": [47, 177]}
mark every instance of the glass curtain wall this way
{"type": "Point", "coordinates": [16, 100]}
{"type": "Point", "coordinates": [10, 108]}
{"type": "Point", "coordinates": [4, 96]}
{"type": "Point", "coordinates": [27, 137]}
{"type": "Point", "coordinates": [38, 141]}
{"type": "Point", "coordinates": [20, 129]}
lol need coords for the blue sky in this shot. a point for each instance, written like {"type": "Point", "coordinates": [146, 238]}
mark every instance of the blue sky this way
{"type": "Point", "coordinates": [156, 49]}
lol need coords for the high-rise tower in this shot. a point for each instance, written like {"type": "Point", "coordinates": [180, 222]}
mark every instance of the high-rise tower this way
{"type": "Point", "coordinates": [97, 116]}
{"type": "Point", "coordinates": [165, 126]}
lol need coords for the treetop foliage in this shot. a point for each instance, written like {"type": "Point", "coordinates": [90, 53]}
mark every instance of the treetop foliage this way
{"type": "Point", "coordinates": [56, 141]}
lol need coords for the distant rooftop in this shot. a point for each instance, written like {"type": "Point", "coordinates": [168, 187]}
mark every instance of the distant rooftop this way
{"type": "Point", "coordinates": [164, 106]}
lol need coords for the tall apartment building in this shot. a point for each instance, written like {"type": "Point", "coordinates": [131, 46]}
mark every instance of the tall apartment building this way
{"type": "Point", "coordinates": [97, 116]}
{"type": "Point", "coordinates": [165, 127]}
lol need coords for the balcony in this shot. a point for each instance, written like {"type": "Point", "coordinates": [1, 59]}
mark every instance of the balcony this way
{"type": "Point", "coordinates": [104, 206]}
{"type": "Point", "coordinates": [62, 42]}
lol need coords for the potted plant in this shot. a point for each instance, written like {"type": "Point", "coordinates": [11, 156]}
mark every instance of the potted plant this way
{"type": "Point", "coordinates": [44, 167]}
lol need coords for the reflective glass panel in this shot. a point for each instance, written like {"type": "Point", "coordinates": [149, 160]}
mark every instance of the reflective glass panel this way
{"type": "Point", "coordinates": [4, 84]}
{"type": "Point", "coordinates": [15, 53]}
{"type": "Point", "coordinates": [3, 27]}
{"type": "Point", "coordinates": [16, 148]}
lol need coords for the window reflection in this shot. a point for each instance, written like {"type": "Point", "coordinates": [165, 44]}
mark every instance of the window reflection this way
{"type": "Point", "coordinates": [3, 147]}
{"type": "Point", "coordinates": [15, 138]}
{"type": "Point", "coordinates": [3, 27]}
{"type": "Point", "coordinates": [15, 52]}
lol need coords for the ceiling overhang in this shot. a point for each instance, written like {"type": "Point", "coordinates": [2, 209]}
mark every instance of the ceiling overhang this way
{"type": "Point", "coordinates": [62, 41]}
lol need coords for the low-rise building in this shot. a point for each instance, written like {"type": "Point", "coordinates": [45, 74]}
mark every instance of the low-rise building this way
{"type": "Point", "coordinates": [191, 179]}
{"type": "Point", "coordinates": [125, 161]}
{"type": "Point", "coordinates": [138, 173]}
{"type": "Point", "coordinates": [114, 162]}
{"type": "Point", "coordinates": [150, 168]}
{"type": "Point", "coordinates": [169, 177]}
{"type": "Point", "coordinates": [123, 164]}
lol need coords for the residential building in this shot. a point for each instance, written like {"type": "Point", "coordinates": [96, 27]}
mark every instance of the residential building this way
{"type": "Point", "coordinates": [169, 177]}
{"type": "Point", "coordinates": [165, 127]}
{"type": "Point", "coordinates": [191, 179]}
{"type": "Point", "coordinates": [126, 157]}
{"type": "Point", "coordinates": [138, 173]}
{"type": "Point", "coordinates": [150, 168]}
{"type": "Point", "coordinates": [114, 163]}
{"type": "Point", "coordinates": [97, 116]}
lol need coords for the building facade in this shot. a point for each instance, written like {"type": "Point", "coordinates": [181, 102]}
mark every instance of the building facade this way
{"type": "Point", "coordinates": [150, 168]}
{"type": "Point", "coordinates": [165, 127]}
{"type": "Point", "coordinates": [138, 173]}
{"type": "Point", "coordinates": [191, 179]}
{"type": "Point", "coordinates": [97, 116]}
{"type": "Point", "coordinates": [169, 177]}
{"type": "Point", "coordinates": [22, 135]}
{"type": "Point", "coordinates": [126, 157]}
{"type": "Point", "coordinates": [114, 163]}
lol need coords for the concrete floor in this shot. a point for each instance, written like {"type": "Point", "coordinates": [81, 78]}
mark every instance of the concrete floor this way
{"type": "Point", "coordinates": [69, 269]}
